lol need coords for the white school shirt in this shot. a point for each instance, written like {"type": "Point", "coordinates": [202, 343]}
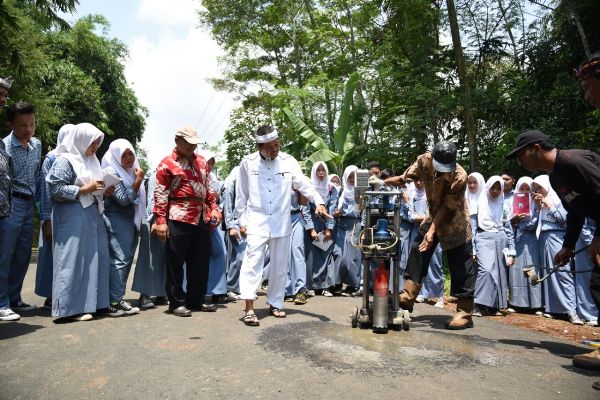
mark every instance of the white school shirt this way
{"type": "Point", "coordinates": [263, 194]}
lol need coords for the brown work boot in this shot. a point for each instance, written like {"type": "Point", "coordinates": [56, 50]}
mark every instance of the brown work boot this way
{"type": "Point", "coordinates": [409, 294]}
{"type": "Point", "coordinates": [589, 360]}
{"type": "Point", "coordinates": [463, 317]}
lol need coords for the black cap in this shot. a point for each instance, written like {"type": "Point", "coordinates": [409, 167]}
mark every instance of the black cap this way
{"type": "Point", "coordinates": [444, 156]}
{"type": "Point", "coordinates": [527, 138]}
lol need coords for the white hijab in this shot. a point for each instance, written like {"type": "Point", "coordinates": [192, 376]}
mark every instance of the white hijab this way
{"type": "Point", "coordinates": [544, 181]}
{"type": "Point", "coordinates": [331, 176]}
{"type": "Point", "coordinates": [348, 192]}
{"type": "Point", "coordinates": [86, 168]}
{"type": "Point", "coordinates": [62, 133]}
{"type": "Point", "coordinates": [491, 211]}
{"type": "Point", "coordinates": [473, 198]}
{"type": "Point", "coordinates": [322, 187]}
{"type": "Point", "coordinates": [112, 159]}
{"type": "Point", "coordinates": [522, 180]}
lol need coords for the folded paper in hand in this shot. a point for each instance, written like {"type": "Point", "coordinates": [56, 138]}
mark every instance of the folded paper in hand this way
{"type": "Point", "coordinates": [321, 243]}
{"type": "Point", "coordinates": [109, 180]}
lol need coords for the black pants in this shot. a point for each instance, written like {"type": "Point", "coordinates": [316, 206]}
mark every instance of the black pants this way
{"type": "Point", "coordinates": [189, 244]}
{"type": "Point", "coordinates": [462, 272]}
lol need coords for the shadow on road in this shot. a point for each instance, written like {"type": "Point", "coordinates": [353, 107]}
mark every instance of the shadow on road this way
{"type": "Point", "coordinates": [9, 330]}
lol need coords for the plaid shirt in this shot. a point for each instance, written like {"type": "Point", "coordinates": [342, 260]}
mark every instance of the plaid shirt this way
{"type": "Point", "coordinates": [177, 180]}
{"type": "Point", "coordinates": [26, 164]}
{"type": "Point", "coordinates": [45, 197]}
{"type": "Point", "coordinates": [444, 190]}
{"type": "Point", "coordinates": [5, 182]}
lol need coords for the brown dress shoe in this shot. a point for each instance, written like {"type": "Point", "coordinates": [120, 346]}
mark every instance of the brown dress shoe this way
{"type": "Point", "coordinates": [181, 311]}
{"type": "Point", "coordinates": [409, 295]}
{"type": "Point", "coordinates": [589, 360]}
{"type": "Point", "coordinates": [463, 318]}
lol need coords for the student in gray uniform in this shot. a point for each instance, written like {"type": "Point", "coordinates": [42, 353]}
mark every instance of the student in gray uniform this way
{"type": "Point", "coordinates": [321, 262]}
{"type": "Point", "coordinates": [81, 267]}
{"type": "Point", "coordinates": [236, 244]}
{"type": "Point", "coordinates": [150, 274]}
{"type": "Point", "coordinates": [433, 285]}
{"type": "Point", "coordinates": [296, 290]}
{"type": "Point", "coordinates": [475, 185]}
{"type": "Point", "coordinates": [123, 213]}
{"type": "Point", "coordinates": [493, 234]}
{"type": "Point", "coordinates": [44, 271]}
{"type": "Point", "coordinates": [348, 257]}
{"type": "Point", "coordinates": [586, 308]}
{"type": "Point", "coordinates": [559, 288]}
{"type": "Point", "coordinates": [523, 296]}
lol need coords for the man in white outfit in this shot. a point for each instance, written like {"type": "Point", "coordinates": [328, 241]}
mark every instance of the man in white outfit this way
{"type": "Point", "coordinates": [263, 191]}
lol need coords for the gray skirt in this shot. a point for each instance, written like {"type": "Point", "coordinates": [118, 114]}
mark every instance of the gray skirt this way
{"type": "Point", "coordinates": [81, 261]}
{"type": "Point", "coordinates": [521, 293]}
{"type": "Point", "coordinates": [150, 270]}
{"type": "Point", "coordinates": [491, 284]}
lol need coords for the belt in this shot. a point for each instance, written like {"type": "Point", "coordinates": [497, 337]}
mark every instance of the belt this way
{"type": "Point", "coordinates": [23, 196]}
{"type": "Point", "coordinates": [198, 199]}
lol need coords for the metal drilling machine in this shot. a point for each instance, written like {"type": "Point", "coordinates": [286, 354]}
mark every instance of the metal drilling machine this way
{"type": "Point", "coordinates": [379, 242]}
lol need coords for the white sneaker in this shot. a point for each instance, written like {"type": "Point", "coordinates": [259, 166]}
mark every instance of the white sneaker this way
{"type": "Point", "coordinates": [592, 322]}
{"type": "Point", "coordinates": [511, 310]}
{"type": "Point", "coordinates": [539, 313]}
{"type": "Point", "coordinates": [575, 320]}
{"type": "Point", "coordinates": [420, 299]}
{"type": "Point", "coordinates": [327, 293]}
{"type": "Point", "coordinates": [6, 314]}
{"type": "Point", "coordinates": [549, 316]}
{"type": "Point", "coordinates": [310, 293]}
{"type": "Point", "coordinates": [83, 317]}
{"type": "Point", "coordinates": [439, 303]}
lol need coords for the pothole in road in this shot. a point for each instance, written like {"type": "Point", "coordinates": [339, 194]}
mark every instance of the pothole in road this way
{"type": "Point", "coordinates": [340, 348]}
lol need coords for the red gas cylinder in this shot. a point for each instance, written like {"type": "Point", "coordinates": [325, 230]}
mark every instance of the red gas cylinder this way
{"type": "Point", "coordinates": [380, 298]}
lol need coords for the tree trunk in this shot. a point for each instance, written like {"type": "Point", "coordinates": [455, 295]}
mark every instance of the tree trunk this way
{"type": "Point", "coordinates": [465, 89]}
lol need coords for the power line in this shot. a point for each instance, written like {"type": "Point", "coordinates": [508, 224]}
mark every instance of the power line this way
{"type": "Point", "coordinates": [205, 108]}
{"type": "Point", "coordinates": [215, 114]}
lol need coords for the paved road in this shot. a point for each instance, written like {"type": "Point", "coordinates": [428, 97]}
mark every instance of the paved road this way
{"type": "Point", "coordinates": [312, 354]}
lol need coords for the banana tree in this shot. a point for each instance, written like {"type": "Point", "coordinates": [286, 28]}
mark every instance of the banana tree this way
{"type": "Point", "coordinates": [341, 149]}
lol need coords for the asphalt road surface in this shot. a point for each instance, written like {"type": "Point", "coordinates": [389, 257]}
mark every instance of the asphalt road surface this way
{"type": "Point", "coordinates": [312, 354]}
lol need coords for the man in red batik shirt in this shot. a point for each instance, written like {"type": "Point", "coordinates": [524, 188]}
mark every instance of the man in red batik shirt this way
{"type": "Point", "coordinates": [184, 206]}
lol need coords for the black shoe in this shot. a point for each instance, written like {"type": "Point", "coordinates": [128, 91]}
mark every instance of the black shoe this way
{"type": "Point", "coordinates": [145, 302]}
{"type": "Point", "coordinates": [161, 301]}
{"type": "Point", "coordinates": [125, 307]}
{"type": "Point", "coordinates": [110, 311]}
{"type": "Point", "coordinates": [181, 311]}
{"type": "Point", "coordinates": [220, 299]}
{"type": "Point", "coordinates": [48, 304]}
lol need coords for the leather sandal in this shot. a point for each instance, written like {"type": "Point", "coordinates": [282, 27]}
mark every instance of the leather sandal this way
{"type": "Point", "coordinates": [276, 312]}
{"type": "Point", "coordinates": [250, 319]}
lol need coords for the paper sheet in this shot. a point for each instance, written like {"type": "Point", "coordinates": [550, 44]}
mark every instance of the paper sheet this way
{"type": "Point", "coordinates": [109, 180]}
{"type": "Point", "coordinates": [321, 243]}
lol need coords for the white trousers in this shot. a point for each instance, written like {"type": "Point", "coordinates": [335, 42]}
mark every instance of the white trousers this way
{"type": "Point", "coordinates": [253, 264]}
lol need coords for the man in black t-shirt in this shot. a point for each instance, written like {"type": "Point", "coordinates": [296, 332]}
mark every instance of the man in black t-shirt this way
{"type": "Point", "coordinates": [575, 176]}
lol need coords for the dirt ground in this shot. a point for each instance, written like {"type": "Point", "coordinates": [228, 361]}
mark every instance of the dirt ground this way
{"type": "Point", "coordinates": [553, 327]}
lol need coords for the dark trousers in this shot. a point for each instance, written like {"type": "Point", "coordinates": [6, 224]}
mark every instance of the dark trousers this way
{"type": "Point", "coordinates": [462, 272]}
{"type": "Point", "coordinates": [595, 285]}
{"type": "Point", "coordinates": [189, 244]}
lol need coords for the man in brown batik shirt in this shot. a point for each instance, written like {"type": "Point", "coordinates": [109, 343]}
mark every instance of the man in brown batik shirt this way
{"type": "Point", "coordinates": [448, 224]}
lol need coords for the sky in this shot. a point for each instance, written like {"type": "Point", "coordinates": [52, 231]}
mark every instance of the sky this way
{"type": "Point", "coordinates": [170, 60]}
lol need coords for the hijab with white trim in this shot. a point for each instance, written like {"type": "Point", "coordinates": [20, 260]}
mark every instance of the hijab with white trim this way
{"type": "Point", "coordinates": [62, 134]}
{"type": "Point", "coordinates": [473, 198]}
{"type": "Point", "coordinates": [112, 158]}
{"type": "Point", "coordinates": [87, 169]}
{"type": "Point", "coordinates": [544, 181]}
{"type": "Point", "coordinates": [348, 192]}
{"type": "Point", "coordinates": [491, 211]}
{"type": "Point", "coordinates": [322, 187]}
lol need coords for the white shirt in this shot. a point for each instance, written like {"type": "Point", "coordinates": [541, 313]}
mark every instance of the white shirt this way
{"type": "Point", "coordinates": [263, 194]}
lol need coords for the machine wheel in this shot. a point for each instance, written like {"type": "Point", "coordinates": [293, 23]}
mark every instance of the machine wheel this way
{"type": "Point", "coordinates": [405, 320]}
{"type": "Point", "coordinates": [354, 317]}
